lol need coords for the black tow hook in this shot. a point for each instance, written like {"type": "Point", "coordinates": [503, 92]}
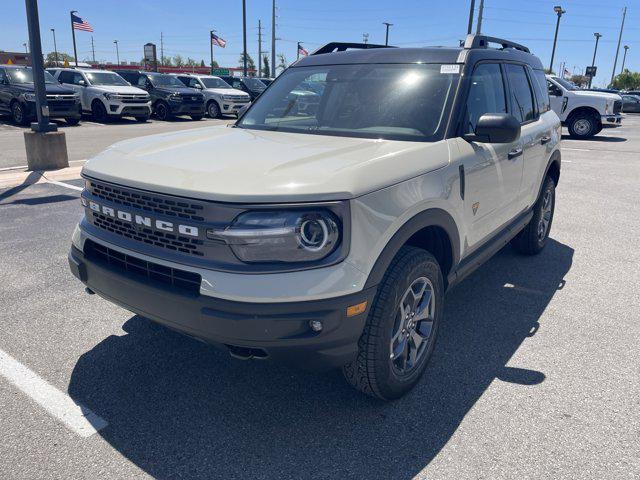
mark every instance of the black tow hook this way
{"type": "Point", "coordinates": [247, 353]}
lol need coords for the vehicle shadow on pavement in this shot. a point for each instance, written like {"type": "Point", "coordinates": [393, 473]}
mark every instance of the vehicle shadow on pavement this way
{"type": "Point", "coordinates": [179, 408]}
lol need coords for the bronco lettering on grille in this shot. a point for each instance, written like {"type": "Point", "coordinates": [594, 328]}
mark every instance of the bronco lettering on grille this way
{"type": "Point", "coordinates": [140, 220]}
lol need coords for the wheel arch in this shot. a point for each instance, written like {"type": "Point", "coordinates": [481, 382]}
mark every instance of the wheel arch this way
{"type": "Point", "coordinates": [433, 230]}
{"type": "Point", "coordinates": [584, 109]}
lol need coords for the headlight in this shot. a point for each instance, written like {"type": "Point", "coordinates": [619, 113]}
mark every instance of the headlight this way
{"type": "Point", "coordinates": [607, 108]}
{"type": "Point", "coordinates": [175, 97]}
{"type": "Point", "coordinates": [112, 96]}
{"type": "Point", "coordinates": [281, 236]}
{"type": "Point", "coordinates": [30, 97]}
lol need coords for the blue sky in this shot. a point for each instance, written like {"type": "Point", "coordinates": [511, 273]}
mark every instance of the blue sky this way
{"type": "Point", "coordinates": [185, 26]}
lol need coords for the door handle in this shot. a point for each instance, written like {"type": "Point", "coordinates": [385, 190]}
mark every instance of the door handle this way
{"type": "Point", "coordinates": [516, 152]}
{"type": "Point", "coordinates": [545, 139]}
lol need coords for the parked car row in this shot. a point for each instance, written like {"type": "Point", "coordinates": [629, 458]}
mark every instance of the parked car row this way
{"type": "Point", "coordinates": [106, 95]}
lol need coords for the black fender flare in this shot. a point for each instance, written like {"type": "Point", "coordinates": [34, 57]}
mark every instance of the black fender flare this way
{"type": "Point", "coordinates": [556, 157]}
{"type": "Point", "coordinates": [432, 217]}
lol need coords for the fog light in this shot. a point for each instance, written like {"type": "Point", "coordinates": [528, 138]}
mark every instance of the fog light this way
{"type": "Point", "coordinates": [316, 325]}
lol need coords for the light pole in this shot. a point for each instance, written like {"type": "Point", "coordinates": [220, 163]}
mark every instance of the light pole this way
{"type": "Point", "coordinates": [593, 62]}
{"type": "Point", "coordinates": [117, 52]}
{"type": "Point", "coordinates": [55, 47]}
{"type": "Point", "coordinates": [365, 38]}
{"type": "Point", "coordinates": [559, 11]}
{"type": "Point", "coordinates": [386, 37]}
{"type": "Point", "coordinates": [615, 62]}
{"type": "Point", "coordinates": [624, 58]}
{"type": "Point", "coordinates": [26, 50]}
{"type": "Point", "coordinates": [244, 38]}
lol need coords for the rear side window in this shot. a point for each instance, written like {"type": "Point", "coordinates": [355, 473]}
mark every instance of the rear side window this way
{"type": "Point", "coordinates": [542, 92]}
{"type": "Point", "coordinates": [486, 95]}
{"type": "Point", "coordinates": [65, 77]}
{"type": "Point", "coordinates": [521, 94]}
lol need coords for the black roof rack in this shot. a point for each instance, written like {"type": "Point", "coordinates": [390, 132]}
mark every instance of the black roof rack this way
{"type": "Point", "coordinates": [483, 41]}
{"type": "Point", "coordinates": [342, 46]}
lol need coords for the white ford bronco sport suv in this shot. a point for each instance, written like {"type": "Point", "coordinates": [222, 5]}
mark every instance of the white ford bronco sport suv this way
{"type": "Point", "coordinates": [219, 97]}
{"type": "Point", "coordinates": [329, 239]}
{"type": "Point", "coordinates": [106, 94]}
{"type": "Point", "coordinates": [583, 112]}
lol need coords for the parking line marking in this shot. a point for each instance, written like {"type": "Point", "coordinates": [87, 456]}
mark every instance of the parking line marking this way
{"type": "Point", "coordinates": [75, 416]}
{"type": "Point", "coordinates": [62, 184]}
{"type": "Point", "coordinates": [577, 149]}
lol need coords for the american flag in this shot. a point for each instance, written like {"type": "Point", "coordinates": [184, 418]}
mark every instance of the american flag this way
{"type": "Point", "coordinates": [216, 40]}
{"type": "Point", "coordinates": [302, 51]}
{"type": "Point", "coordinates": [80, 24]}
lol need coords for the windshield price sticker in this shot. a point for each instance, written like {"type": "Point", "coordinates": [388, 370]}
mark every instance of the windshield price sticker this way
{"type": "Point", "coordinates": [449, 68]}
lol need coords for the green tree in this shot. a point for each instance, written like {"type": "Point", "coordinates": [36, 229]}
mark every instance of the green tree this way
{"type": "Point", "coordinates": [282, 62]}
{"type": "Point", "coordinates": [548, 71]}
{"type": "Point", "coordinates": [190, 62]}
{"type": "Point", "coordinates": [50, 59]}
{"type": "Point", "coordinates": [627, 80]}
{"type": "Point", "coordinates": [580, 80]}
{"type": "Point", "coordinates": [266, 69]}
{"type": "Point", "coordinates": [178, 61]}
{"type": "Point", "coordinates": [202, 63]}
{"type": "Point", "coordinates": [215, 64]}
{"type": "Point", "coordinates": [250, 63]}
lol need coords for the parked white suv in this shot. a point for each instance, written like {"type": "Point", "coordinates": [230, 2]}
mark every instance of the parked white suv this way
{"type": "Point", "coordinates": [219, 97]}
{"type": "Point", "coordinates": [583, 112]}
{"type": "Point", "coordinates": [329, 238]}
{"type": "Point", "coordinates": [106, 94]}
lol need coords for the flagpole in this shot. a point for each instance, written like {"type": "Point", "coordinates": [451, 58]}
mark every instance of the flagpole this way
{"type": "Point", "coordinates": [211, 45]}
{"type": "Point", "coordinates": [298, 57]}
{"type": "Point", "coordinates": [73, 34]}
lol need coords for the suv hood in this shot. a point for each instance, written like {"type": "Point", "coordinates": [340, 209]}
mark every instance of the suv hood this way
{"type": "Point", "coordinates": [183, 90]}
{"type": "Point", "coordinates": [239, 165]}
{"type": "Point", "coordinates": [126, 89]}
{"type": "Point", "coordinates": [51, 88]}
{"type": "Point", "coordinates": [226, 91]}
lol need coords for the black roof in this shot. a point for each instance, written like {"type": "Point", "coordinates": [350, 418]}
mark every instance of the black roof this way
{"type": "Point", "coordinates": [476, 48]}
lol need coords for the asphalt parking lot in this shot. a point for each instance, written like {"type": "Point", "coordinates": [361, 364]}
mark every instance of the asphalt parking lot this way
{"type": "Point", "coordinates": [536, 373]}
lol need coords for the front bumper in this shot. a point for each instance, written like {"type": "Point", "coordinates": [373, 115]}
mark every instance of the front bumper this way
{"type": "Point", "coordinates": [611, 120]}
{"type": "Point", "coordinates": [232, 107]}
{"type": "Point", "coordinates": [279, 331]}
{"type": "Point", "coordinates": [186, 108]}
{"type": "Point", "coordinates": [129, 109]}
{"type": "Point", "coordinates": [56, 109]}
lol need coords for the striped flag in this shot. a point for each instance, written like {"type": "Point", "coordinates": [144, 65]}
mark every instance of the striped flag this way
{"type": "Point", "coordinates": [80, 24]}
{"type": "Point", "coordinates": [216, 40]}
{"type": "Point", "coordinates": [302, 51]}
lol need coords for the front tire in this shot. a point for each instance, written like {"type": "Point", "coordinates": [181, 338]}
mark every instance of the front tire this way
{"type": "Point", "coordinates": [533, 238]}
{"type": "Point", "coordinates": [18, 114]}
{"type": "Point", "coordinates": [400, 332]}
{"type": "Point", "coordinates": [583, 125]}
{"type": "Point", "coordinates": [213, 109]}
{"type": "Point", "coordinates": [162, 111]}
{"type": "Point", "coordinates": [99, 112]}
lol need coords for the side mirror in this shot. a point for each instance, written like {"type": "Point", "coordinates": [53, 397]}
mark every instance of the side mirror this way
{"type": "Point", "coordinates": [198, 86]}
{"type": "Point", "coordinates": [496, 128]}
{"type": "Point", "coordinates": [82, 83]}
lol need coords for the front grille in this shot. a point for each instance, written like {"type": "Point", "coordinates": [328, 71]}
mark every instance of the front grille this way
{"type": "Point", "coordinates": [62, 97]}
{"type": "Point", "coordinates": [61, 104]}
{"type": "Point", "coordinates": [617, 107]}
{"type": "Point", "coordinates": [165, 240]}
{"type": "Point", "coordinates": [236, 98]}
{"type": "Point", "coordinates": [192, 98]}
{"type": "Point", "coordinates": [154, 273]}
{"type": "Point", "coordinates": [148, 202]}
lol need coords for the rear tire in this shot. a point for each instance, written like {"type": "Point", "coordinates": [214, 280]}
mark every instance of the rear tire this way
{"type": "Point", "coordinates": [400, 331]}
{"type": "Point", "coordinates": [18, 115]}
{"type": "Point", "coordinates": [583, 125]}
{"type": "Point", "coordinates": [533, 238]}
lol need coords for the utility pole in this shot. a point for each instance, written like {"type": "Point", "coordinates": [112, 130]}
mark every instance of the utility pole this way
{"type": "Point", "coordinates": [244, 38]}
{"type": "Point", "coordinates": [273, 39]}
{"type": "Point", "coordinates": [386, 37]}
{"type": "Point", "coordinates": [259, 48]}
{"type": "Point", "coordinates": [472, 9]}
{"type": "Point", "coordinates": [593, 62]}
{"type": "Point", "coordinates": [55, 46]}
{"type": "Point", "coordinates": [615, 62]}
{"type": "Point", "coordinates": [161, 49]}
{"type": "Point", "coordinates": [26, 50]}
{"type": "Point", "coordinates": [365, 38]}
{"type": "Point", "coordinates": [480, 11]}
{"type": "Point", "coordinates": [559, 11]}
{"type": "Point", "coordinates": [93, 50]}
{"type": "Point", "coordinates": [117, 52]}
{"type": "Point", "coordinates": [624, 58]}
{"type": "Point", "coordinates": [73, 35]}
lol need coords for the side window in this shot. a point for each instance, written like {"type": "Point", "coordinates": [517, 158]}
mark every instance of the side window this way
{"type": "Point", "coordinates": [142, 81]}
{"type": "Point", "coordinates": [521, 94]}
{"type": "Point", "coordinates": [486, 94]}
{"type": "Point", "coordinates": [64, 77]}
{"type": "Point", "coordinates": [184, 80]}
{"type": "Point", "coordinates": [76, 78]}
{"type": "Point", "coordinates": [237, 84]}
{"type": "Point", "coordinates": [553, 89]}
{"type": "Point", "coordinates": [3, 76]}
{"type": "Point", "coordinates": [193, 83]}
{"type": "Point", "coordinates": [542, 92]}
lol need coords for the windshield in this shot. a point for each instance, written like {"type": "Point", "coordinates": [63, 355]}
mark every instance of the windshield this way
{"type": "Point", "coordinates": [165, 81]}
{"type": "Point", "coordinates": [104, 78]}
{"type": "Point", "coordinates": [25, 75]}
{"type": "Point", "coordinates": [214, 83]}
{"type": "Point", "coordinates": [566, 83]}
{"type": "Point", "coordinates": [396, 102]}
{"type": "Point", "coordinates": [254, 84]}
{"type": "Point", "coordinates": [266, 81]}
